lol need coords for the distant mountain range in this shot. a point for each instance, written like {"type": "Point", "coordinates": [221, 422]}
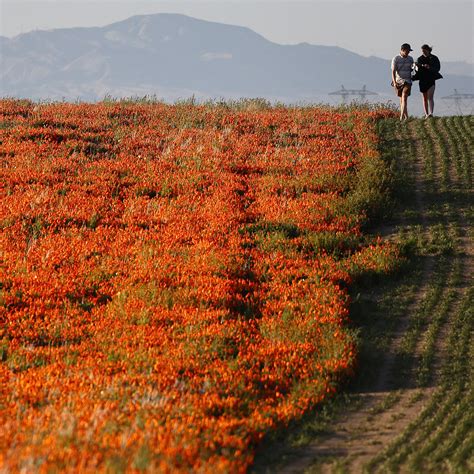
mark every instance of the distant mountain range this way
{"type": "Point", "coordinates": [175, 56]}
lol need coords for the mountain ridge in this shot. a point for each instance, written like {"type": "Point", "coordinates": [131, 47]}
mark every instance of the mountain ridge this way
{"type": "Point", "coordinates": [175, 56]}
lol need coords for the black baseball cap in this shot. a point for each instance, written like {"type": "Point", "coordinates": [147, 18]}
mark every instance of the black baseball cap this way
{"type": "Point", "coordinates": [405, 46]}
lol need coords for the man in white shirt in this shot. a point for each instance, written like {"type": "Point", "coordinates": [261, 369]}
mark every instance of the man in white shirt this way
{"type": "Point", "coordinates": [402, 66]}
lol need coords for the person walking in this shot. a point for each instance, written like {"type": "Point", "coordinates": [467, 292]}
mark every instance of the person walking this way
{"type": "Point", "coordinates": [427, 72]}
{"type": "Point", "coordinates": [402, 66]}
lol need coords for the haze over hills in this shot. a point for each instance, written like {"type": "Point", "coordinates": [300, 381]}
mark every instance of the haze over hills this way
{"type": "Point", "coordinates": [175, 56]}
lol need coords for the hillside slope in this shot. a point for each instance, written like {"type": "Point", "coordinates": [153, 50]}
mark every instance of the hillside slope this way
{"type": "Point", "coordinates": [176, 56]}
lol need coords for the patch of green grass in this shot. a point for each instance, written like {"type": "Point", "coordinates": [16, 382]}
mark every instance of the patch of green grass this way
{"type": "Point", "coordinates": [436, 440]}
{"type": "Point", "coordinates": [440, 438]}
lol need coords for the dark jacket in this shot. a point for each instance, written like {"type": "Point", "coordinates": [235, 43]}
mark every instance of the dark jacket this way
{"type": "Point", "coordinates": [428, 75]}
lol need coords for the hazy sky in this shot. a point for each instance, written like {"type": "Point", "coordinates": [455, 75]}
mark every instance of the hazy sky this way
{"type": "Point", "coordinates": [370, 27]}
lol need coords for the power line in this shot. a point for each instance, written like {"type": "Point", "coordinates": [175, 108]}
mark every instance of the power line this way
{"type": "Point", "coordinates": [459, 99]}
{"type": "Point", "coordinates": [345, 93]}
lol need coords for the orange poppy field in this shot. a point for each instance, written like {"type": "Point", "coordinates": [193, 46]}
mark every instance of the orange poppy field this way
{"type": "Point", "coordinates": [174, 279]}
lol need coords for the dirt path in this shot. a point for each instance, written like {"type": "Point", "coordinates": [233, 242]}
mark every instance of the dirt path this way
{"type": "Point", "coordinates": [389, 405]}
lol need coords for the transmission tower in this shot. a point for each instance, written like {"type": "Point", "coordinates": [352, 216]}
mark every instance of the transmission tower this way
{"type": "Point", "coordinates": [459, 99]}
{"type": "Point", "coordinates": [346, 93]}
